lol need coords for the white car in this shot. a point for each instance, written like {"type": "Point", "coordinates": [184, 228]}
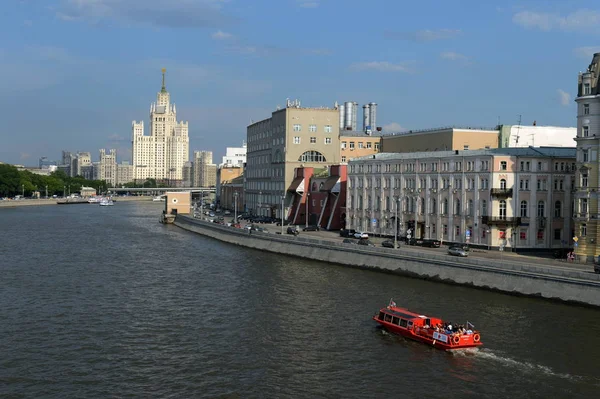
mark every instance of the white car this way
{"type": "Point", "coordinates": [360, 235]}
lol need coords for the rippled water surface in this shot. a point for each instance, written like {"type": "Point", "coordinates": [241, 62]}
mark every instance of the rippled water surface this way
{"type": "Point", "coordinates": [106, 302]}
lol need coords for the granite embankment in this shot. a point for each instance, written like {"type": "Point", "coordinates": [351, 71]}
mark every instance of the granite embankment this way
{"type": "Point", "coordinates": [52, 201]}
{"type": "Point", "coordinates": [559, 283]}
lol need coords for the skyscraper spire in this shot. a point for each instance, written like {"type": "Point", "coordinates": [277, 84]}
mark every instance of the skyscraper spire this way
{"type": "Point", "coordinates": [163, 89]}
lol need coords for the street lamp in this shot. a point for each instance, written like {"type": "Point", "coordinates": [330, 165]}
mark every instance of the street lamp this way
{"type": "Point", "coordinates": [397, 201]}
{"type": "Point", "coordinates": [46, 191]}
{"type": "Point", "coordinates": [307, 199]}
{"type": "Point", "coordinates": [235, 197]}
{"type": "Point", "coordinates": [23, 187]}
{"type": "Point", "coordinates": [259, 202]}
{"type": "Point", "coordinates": [489, 239]}
{"type": "Point", "coordinates": [282, 211]}
{"type": "Point", "coordinates": [64, 191]}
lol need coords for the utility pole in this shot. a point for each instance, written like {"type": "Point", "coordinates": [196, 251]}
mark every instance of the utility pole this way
{"type": "Point", "coordinates": [307, 199]}
{"type": "Point", "coordinates": [282, 219]}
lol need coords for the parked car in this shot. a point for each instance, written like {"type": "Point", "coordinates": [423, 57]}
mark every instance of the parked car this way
{"type": "Point", "coordinates": [432, 243]}
{"type": "Point", "coordinates": [293, 230]}
{"type": "Point", "coordinates": [457, 251]}
{"type": "Point", "coordinates": [360, 234]}
{"type": "Point", "coordinates": [227, 213]}
{"type": "Point", "coordinates": [311, 227]}
{"type": "Point", "coordinates": [347, 241]}
{"type": "Point", "coordinates": [347, 232]}
{"type": "Point", "coordinates": [389, 244]}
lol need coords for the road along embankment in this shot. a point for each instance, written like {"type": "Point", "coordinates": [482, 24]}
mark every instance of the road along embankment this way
{"type": "Point", "coordinates": [549, 282]}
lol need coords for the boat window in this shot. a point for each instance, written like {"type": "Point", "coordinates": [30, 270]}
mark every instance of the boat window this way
{"type": "Point", "coordinates": [381, 315]}
{"type": "Point", "coordinates": [395, 320]}
{"type": "Point", "coordinates": [410, 324]}
{"type": "Point", "coordinates": [403, 323]}
{"type": "Point", "coordinates": [388, 318]}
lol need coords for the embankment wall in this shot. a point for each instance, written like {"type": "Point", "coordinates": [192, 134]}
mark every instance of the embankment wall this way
{"type": "Point", "coordinates": [514, 278]}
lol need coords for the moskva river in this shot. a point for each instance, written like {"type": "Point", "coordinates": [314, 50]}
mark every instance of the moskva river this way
{"type": "Point", "coordinates": [105, 302]}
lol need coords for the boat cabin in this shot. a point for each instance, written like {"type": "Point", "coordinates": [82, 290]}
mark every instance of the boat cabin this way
{"type": "Point", "coordinates": [407, 319]}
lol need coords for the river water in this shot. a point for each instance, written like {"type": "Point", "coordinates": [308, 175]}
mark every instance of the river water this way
{"type": "Point", "coordinates": [105, 302]}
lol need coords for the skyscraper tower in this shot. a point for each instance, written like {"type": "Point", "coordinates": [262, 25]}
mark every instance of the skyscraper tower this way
{"type": "Point", "coordinates": [162, 154]}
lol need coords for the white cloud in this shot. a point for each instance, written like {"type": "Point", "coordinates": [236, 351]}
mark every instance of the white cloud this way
{"type": "Point", "coordinates": [393, 127]}
{"type": "Point", "coordinates": [580, 20]}
{"type": "Point", "coordinates": [174, 13]}
{"type": "Point", "coordinates": [425, 35]}
{"type": "Point", "coordinates": [384, 66]}
{"type": "Point", "coordinates": [586, 52]}
{"type": "Point", "coordinates": [220, 35]}
{"type": "Point", "coordinates": [564, 97]}
{"type": "Point", "coordinates": [452, 56]}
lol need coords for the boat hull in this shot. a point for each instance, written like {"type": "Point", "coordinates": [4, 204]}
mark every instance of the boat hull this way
{"type": "Point", "coordinates": [430, 337]}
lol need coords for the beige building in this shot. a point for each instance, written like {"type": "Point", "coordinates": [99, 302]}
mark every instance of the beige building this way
{"type": "Point", "coordinates": [514, 198]}
{"type": "Point", "coordinates": [106, 168]}
{"type": "Point", "coordinates": [162, 154]}
{"type": "Point", "coordinates": [124, 173]}
{"type": "Point", "coordinates": [82, 161]}
{"type": "Point", "coordinates": [358, 144]}
{"type": "Point", "coordinates": [587, 229]}
{"type": "Point", "coordinates": [204, 171]}
{"type": "Point", "coordinates": [442, 139]}
{"type": "Point", "coordinates": [292, 137]}
{"type": "Point", "coordinates": [231, 194]}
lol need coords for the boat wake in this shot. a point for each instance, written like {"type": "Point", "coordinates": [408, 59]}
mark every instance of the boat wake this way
{"type": "Point", "coordinates": [487, 354]}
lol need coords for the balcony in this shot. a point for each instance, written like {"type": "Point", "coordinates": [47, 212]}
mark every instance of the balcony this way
{"type": "Point", "coordinates": [496, 220]}
{"type": "Point", "coordinates": [502, 192]}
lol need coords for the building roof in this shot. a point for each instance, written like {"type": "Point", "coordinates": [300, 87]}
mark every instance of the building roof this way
{"type": "Point", "coordinates": [359, 133]}
{"type": "Point", "coordinates": [550, 152]}
{"type": "Point", "coordinates": [442, 129]}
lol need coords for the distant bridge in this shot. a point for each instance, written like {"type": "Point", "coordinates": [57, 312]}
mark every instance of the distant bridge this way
{"type": "Point", "coordinates": [162, 190]}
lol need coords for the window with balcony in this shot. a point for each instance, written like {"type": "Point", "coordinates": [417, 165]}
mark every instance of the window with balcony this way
{"type": "Point", "coordinates": [523, 209]}
{"type": "Point", "coordinates": [557, 209]}
{"type": "Point", "coordinates": [503, 184]}
{"type": "Point", "coordinates": [541, 209]}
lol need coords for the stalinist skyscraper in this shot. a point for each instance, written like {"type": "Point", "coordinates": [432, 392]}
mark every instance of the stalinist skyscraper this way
{"type": "Point", "coordinates": [160, 155]}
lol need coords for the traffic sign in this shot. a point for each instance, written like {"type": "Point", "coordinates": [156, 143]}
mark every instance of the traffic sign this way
{"type": "Point", "coordinates": [408, 236]}
{"type": "Point", "coordinates": [468, 233]}
{"type": "Point", "coordinates": [576, 244]}
{"type": "Point", "coordinates": [575, 239]}
{"type": "Point", "coordinates": [374, 221]}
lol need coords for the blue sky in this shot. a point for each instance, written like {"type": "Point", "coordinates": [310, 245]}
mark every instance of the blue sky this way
{"type": "Point", "coordinates": [77, 72]}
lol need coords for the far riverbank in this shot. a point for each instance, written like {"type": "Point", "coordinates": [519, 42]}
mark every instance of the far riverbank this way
{"type": "Point", "coordinates": [52, 201]}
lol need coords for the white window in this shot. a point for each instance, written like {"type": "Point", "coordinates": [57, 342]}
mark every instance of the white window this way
{"type": "Point", "coordinates": [313, 140]}
{"type": "Point", "coordinates": [343, 158]}
{"type": "Point", "coordinates": [586, 131]}
{"type": "Point", "coordinates": [586, 89]}
{"type": "Point", "coordinates": [586, 109]}
{"type": "Point", "coordinates": [297, 127]}
{"type": "Point", "coordinates": [327, 128]}
{"type": "Point", "coordinates": [343, 145]}
{"type": "Point", "coordinates": [312, 128]}
{"type": "Point", "coordinates": [360, 144]}
{"type": "Point", "coordinates": [296, 140]}
{"type": "Point", "coordinates": [327, 140]}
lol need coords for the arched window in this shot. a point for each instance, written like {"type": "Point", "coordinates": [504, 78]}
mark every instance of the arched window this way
{"type": "Point", "coordinates": [523, 209]}
{"type": "Point", "coordinates": [312, 156]}
{"type": "Point", "coordinates": [433, 206]}
{"type": "Point", "coordinates": [541, 212]}
{"type": "Point", "coordinates": [445, 207]}
{"type": "Point", "coordinates": [557, 209]}
{"type": "Point", "coordinates": [502, 209]}
{"type": "Point", "coordinates": [457, 207]}
{"type": "Point", "coordinates": [503, 184]}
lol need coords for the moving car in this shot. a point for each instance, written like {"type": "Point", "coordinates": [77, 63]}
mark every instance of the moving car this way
{"type": "Point", "coordinates": [389, 244]}
{"type": "Point", "coordinates": [360, 234]}
{"type": "Point", "coordinates": [347, 232]}
{"type": "Point", "coordinates": [457, 251]}
{"type": "Point", "coordinates": [293, 230]}
{"type": "Point", "coordinates": [311, 228]}
{"type": "Point", "coordinates": [366, 242]}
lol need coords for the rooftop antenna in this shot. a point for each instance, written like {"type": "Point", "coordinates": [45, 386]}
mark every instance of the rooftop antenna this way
{"type": "Point", "coordinates": [163, 89]}
{"type": "Point", "coordinates": [518, 129]}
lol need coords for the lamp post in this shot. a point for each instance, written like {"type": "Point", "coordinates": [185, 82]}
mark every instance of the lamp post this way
{"type": "Point", "coordinates": [46, 191]}
{"type": "Point", "coordinates": [23, 192]}
{"type": "Point", "coordinates": [489, 239]}
{"type": "Point", "coordinates": [307, 199]}
{"type": "Point", "coordinates": [282, 212]}
{"type": "Point", "coordinates": [397, 201]}
{"type": "Point", "coordinates": [235, 197]}
{"type": "Point", "coordinates": [69, 189]}
{"type": "Point", "coordinates": [64, 191]}
{"type": "Point", "coordinates": [259, 203]}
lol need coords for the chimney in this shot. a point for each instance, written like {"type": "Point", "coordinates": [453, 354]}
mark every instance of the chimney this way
{"type": "Point", "coordinates": [534, 123]}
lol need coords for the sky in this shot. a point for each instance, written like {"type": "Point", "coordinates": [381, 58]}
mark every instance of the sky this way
{"type": "Point", "coordinates": [76, 73]}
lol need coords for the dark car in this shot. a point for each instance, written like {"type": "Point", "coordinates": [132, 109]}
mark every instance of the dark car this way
{"type": "Point", "coordinates": [347, 232]}
{"type": "Point", "coordinates": [347, 241]}
{"type": "Point", "coordinates": [431, 243]}
{"type": "Point", "coordinates": [365, 242]}
{"type": "Point", "coordinates": [389, 244]}
{"type": "Point", "coordinates": [293, 230]}
{"type": "Point", "coordinates": [562, 253]}
{"type": "Point", "coordinates": [415, 241]}
{"type": "Point", "coordinates": [311, 228]}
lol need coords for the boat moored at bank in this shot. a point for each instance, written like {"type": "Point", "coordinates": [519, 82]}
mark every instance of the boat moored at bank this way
{"type": "Point", "coordinates": [429, 330]}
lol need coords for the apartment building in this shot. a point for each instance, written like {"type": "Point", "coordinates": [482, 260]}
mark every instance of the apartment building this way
{"type": "Point", "coordinates": [358, 144]}
{"type": "Point", "coordinates": [292, 137]}
{"type": "Point", "coordinates": [513, 198]}
{"type": "Point", "coordinates": [106, 168]}
{"type": "Point", "coordinates": [204, 171]}
{"type": "Point", "coordinates": [587, 228]}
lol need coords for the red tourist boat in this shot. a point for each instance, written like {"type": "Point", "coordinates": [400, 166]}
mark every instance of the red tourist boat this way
{"type": "Point", "coordinates": [426, 329]}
